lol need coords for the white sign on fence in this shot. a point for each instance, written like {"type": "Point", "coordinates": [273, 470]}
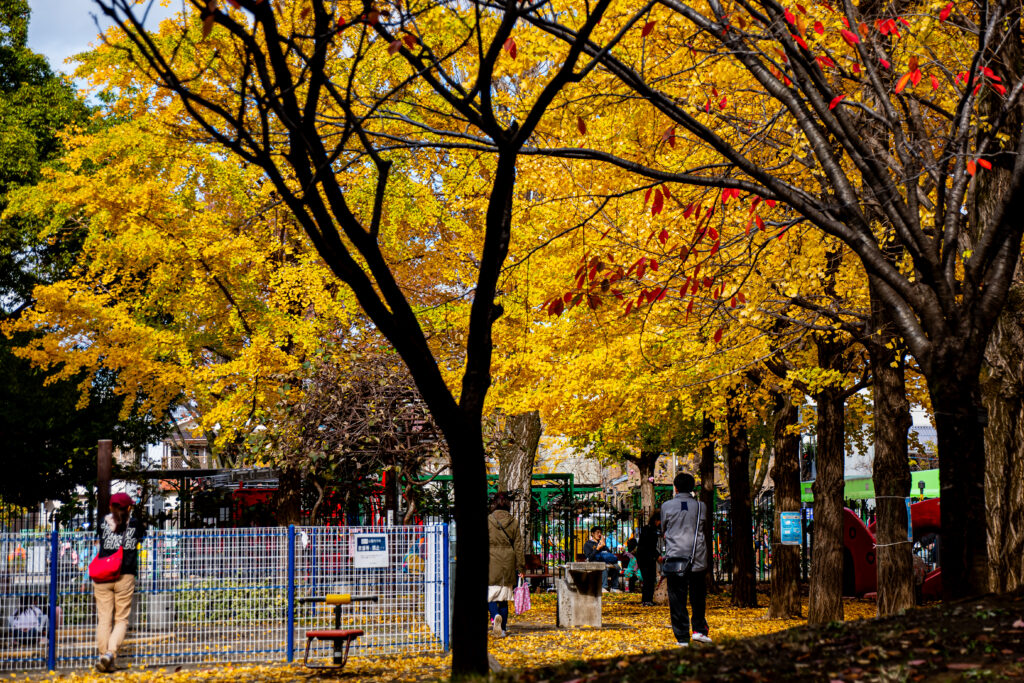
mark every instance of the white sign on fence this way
{"type": "Point", "coordinates": [371, 551]}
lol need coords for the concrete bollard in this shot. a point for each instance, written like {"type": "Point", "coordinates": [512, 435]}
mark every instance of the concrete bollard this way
{"type": "Point", "coordinates": [579, 595]}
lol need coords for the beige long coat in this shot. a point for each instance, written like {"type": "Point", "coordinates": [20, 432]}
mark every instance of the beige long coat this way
{"type": "Point", "coordinates": [507, 555]}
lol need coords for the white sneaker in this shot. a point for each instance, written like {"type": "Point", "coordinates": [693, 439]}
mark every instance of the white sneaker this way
{"type": "Point", "coordinates": [700, 637]}
{"type": "Point", "coordinates": [682, 645]}
{"type": "Point", "coordinates": [496, 627]}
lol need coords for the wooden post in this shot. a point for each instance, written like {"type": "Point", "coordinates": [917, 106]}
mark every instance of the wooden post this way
{"type": "Point", "coordinates": [104, 457]}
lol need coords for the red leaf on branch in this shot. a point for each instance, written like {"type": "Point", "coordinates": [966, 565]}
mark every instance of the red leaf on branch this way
{"type": "Point", "coordinates": [998, 88]}
{"type": "Point", "coordinates": [835, 101]}
{"type": "Point", "coordinates": [743, 299]}
{"type": "Point", "coordinates": [985, 164]}
{"type": "Point", "coordinates": [789, 16]}
{"type": "Point", "coordinates": [669, 136]}
{"type": "Point", "coordinates": [581, 125]}
{"type": "Point", "coordinates": [372, 17]}
{"type": "Point", "coordinates": [629, 307]}
{"type": "Point", "coordinates": [689, 307]}
{"type": "Point", "coordinates": [662, 237]}
{"type": "Point", "coordinates": [648, 27]}
{"type": "Point", "coordinates": [410, 41]}
{"type": "Point", "coordinates": [850, 37]}
{"type": "Point", "coordinates": [510, 46]}
{"type": "Point", "coordinates": [394, 46]}
{"type": "Point", "coordinates": [990, 74]}
{"type": "Point", "coordinates": [885, 63]}
{"type": "Point", "coordinates": [819, 28]}
{"type": "Point", "coordinates": [718, 335]}
{"type": "Point", "coordinates": [915, 76]}
{"type": "Point", "coordinates": [689, 211]}
{"type": "Point", "coordinates": [654, 265]}
{"type": "Point", "coordinates": [659, 202]}
{"type": "Point", "coordinates": [935, 82]}
{"type": "Point", "coordinates": [902, 83]}
{"type": "Point", "coordinates": [945, 12]}
{"type": "Point", "coordinates": [760, 222]}
{"type": "Point", "coordinates": [714, 247]}
{"type": "Point", "coordinates": [722, 102]}
{"type": "Point", "coordinates": [664, 189]}
{"type": "Point", "coordinates": [825, 62]}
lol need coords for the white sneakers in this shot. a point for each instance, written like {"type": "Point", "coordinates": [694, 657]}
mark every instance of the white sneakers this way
{"type": "Point", "coordinates": [700, 637]}
{"type": "Point", "coordinates": [682, 645]}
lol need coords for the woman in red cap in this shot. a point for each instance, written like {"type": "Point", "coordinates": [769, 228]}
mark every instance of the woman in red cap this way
{"type": "Point", "coordinates": [114, 599]}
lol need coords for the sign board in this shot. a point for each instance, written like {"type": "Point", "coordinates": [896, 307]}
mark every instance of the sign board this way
{"type": "Point", "coordinates": [790, 528]}
{"type": "Point", "coordinates": [910, 524]}
{"type": "Point", "coordinates": [371, 551]}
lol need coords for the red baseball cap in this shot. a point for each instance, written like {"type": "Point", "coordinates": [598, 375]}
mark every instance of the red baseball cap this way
{"type": "Point", "coordinates": [122, 500]}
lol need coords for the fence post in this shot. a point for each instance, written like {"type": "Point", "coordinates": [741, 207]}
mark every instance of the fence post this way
{"type": "Point", "coordinates": [51, 631]}
{"type": "Point", "coordinates": [291, 592]}
{"type": "Point", "coordinates": [447, 587]}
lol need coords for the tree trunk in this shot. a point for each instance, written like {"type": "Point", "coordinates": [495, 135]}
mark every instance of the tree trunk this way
{"type": "Point", "coordinates": [645, 465]}
{"type": "Point", "coordinates": [825, 603]}
{"type": "Point", "coordinates": [707, 494]}
{"type": "Point", "coordinates": [891, 473]}
{"type": "Point", "coordinates": [963, 552]}
{"type": "Point", "coordinates": [469, 474]}
{"type": "Point", "coordinates": [288, 498]}
{"type": "Point", "coordinates": [515, 464]}
{"type": "Point", "coordinates": [1002, 392]}
{"type": "Point", "coordinates": [785, 578]}
{"type": "Point", "coordinates": [1002, 388]}
{"type": "Point", "coordinates": [744, 583]}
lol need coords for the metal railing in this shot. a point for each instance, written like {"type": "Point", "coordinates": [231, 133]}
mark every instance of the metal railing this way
{"type": "Point", "coordinates": [226, 595]}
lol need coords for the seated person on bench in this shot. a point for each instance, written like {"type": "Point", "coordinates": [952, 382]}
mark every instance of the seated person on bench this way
{"type": "Point", "coordinates": [595, 550]}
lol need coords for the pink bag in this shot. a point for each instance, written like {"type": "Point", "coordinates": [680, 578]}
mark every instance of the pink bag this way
{"type": "Point", "coordinates": [521, 597]}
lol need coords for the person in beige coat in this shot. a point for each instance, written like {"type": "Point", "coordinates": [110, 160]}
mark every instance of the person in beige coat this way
{"type": "Point", "coordinates": [506, 561]}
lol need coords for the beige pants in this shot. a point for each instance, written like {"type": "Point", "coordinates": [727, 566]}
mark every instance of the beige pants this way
{"type": "Point", "coordinates": [113, 606]}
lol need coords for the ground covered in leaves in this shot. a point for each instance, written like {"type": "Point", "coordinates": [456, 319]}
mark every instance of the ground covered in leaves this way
{"type": "Point", "coordinates": [977, 640]}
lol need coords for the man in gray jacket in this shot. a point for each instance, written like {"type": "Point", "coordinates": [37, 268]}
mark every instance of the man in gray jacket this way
{"type": "Point", "coordinates": [686, 560]}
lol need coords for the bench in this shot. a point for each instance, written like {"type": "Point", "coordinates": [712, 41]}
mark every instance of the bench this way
{"type": "Point", "coordinates": [536, 571]}
{"type": "Point", "coordinates": [340, 638]}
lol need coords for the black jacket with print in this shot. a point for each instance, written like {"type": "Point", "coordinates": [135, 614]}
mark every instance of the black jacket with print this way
{"type": "Point", "coordinates": [132, 536]}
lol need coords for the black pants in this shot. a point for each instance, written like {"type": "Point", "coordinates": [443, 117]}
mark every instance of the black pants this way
{"type": "Point", "coordinates": [650, 578]}
{"type": "Point", "coordinates": [677, 590]}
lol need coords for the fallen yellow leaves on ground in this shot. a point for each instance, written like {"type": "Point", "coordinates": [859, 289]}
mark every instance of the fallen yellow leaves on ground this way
{"type": "Point", "coordinates": [533, 641]}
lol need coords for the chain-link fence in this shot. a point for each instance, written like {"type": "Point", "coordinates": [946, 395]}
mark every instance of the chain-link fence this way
{"type": "Point", "coordinates": [226, 595]}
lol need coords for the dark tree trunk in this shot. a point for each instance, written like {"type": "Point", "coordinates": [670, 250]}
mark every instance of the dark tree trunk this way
{"type": "Point", "coordinates": [288, 498]}
{"type": "Point", "coordinates": [515, 463]}
{"type": "Point", "coordinates": [963, 551]}
{"type": "Point", "coordinates": [707, 493]}
{"type": "Point", "coordinates": [785, 578]}
{"type": "Point", "coordinates": [744, 583]}
{"type": "Point", "coordinates": [465, 444]}
{"type": "Point", "coordinates": [645, 465]}
{"type": "Point", "coordinates": [891, 472]}
{"type": "Point", "coordinates": [825, 603]}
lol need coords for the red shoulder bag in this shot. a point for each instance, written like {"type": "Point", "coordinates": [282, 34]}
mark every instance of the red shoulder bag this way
{"type": "Point", "coordinates": [107, 569]}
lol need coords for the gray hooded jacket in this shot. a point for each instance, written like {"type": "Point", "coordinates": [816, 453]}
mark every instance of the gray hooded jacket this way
{"type": "Point", "coordinates": [678, 519]}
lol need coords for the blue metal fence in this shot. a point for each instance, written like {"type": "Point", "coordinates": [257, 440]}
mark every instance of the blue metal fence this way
{"type": "Point", "coordinates": [225, 595]}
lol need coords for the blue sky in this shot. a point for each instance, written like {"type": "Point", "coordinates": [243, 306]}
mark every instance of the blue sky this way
{"type": "Point", "coordinates": [61, 28]}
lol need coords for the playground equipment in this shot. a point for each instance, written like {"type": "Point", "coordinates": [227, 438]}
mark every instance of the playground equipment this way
{"type": "Point", "coordinates": [860, 573]}
{"type": "Point", "coordinates": [341, 638]}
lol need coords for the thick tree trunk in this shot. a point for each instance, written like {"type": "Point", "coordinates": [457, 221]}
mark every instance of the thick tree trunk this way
{"type": "Point", "coordinates": [1002, 393]}
{"type": "Point", "coordinates": [287, 501]}
{"type": "Point", "coordinates": [707, 493]}
{"type": "Point", "coordinates": [515, 463]}
{"type": "Point", "coordinates": [744, 583]}
{"type": "Point", "coordinates": [963, 552]}
{"type": "Point", "coordinates": [825, 603]}
{"type": "Point", "coordinates": [785, 578]}
{"type": "Point", "coordinates": [645, 465]}
{"type": "Point", "coordinates": [469, 475]}
{"type": "Point", "coordinates": [891, 474]}
{"type": "Point", "coordinates": [1002, 388]}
